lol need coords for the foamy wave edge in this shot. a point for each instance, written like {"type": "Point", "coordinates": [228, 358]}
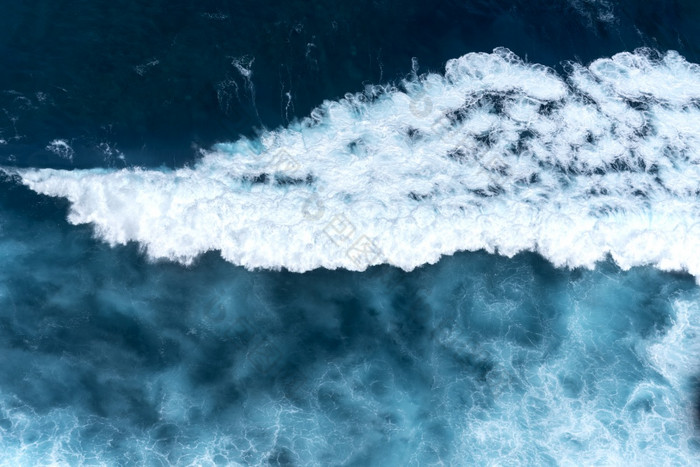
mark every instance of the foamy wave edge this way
{"type": "Point", "coordinates": [496, 154]}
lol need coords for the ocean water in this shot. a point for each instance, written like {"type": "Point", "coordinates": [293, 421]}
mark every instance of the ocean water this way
{"type": "Point", "coordinates": [350, 233]}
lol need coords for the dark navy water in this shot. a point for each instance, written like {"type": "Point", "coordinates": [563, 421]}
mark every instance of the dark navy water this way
{"type": "Point", "coordinates": [108, 357]}
{"type": "Point", "coordinates": [152, 79]}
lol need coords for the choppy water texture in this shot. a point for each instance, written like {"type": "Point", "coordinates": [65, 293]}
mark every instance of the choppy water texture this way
{"type": "Point", "coordinates": [140, 332]}
{"type": "Point", "coordinates": [477, 359]}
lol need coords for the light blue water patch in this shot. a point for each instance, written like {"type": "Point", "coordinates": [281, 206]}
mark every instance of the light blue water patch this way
{"type": "Point", "coordinates": [477, 359]}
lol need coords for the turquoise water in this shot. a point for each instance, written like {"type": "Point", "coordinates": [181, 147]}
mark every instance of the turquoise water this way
{"type": "Point", "coordinates": [477, 359]}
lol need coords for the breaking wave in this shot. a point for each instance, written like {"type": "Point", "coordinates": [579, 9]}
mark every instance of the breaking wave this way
{"type": "Point", "coordinates": [496, 154]}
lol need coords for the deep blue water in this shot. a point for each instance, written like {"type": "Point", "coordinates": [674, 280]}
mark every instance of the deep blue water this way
{"type": "Point", "coordinates": [151, 78]}
{"type": "Point", "coordinates": [111, 357]}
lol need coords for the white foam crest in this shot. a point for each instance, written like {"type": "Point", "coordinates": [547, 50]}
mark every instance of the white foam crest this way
{"type": "Point", "coordinates": [498, 154]}
{"type": "Point", "coordinates": [637, 75]}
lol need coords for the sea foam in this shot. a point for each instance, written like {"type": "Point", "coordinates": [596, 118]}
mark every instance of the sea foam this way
{"type": "Point", "coordinates": [495, 154]}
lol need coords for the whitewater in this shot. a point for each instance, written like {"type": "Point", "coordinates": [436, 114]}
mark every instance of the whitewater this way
{"type": "Point", "coordinates": [497, 154]}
